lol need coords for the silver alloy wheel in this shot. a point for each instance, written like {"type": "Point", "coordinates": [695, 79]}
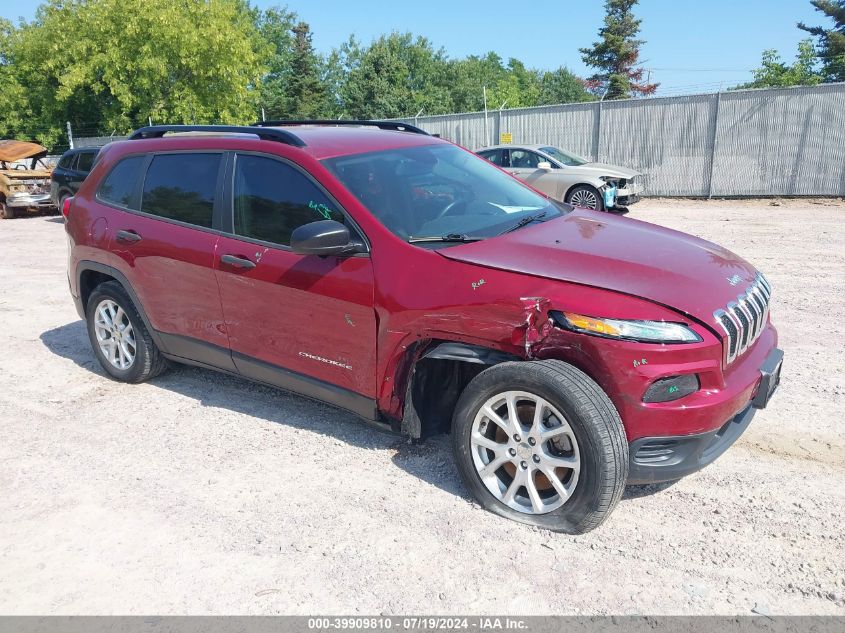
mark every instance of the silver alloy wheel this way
{"type": "Point", "coordinates": [115, 335]}
{"type": "Point", "coordinates": [525, 452]}
{"type": "Point", "coordinates": [584, 198]}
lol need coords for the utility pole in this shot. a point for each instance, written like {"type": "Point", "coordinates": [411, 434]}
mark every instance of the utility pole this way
{"type": "Point", "coordinates": [69, 135]}
{"type": "Point", "coordinates": [263, 118]}
{"type": "Point", "coordinates": [417, 115]}
{"type": "Point", "coordinates": [486, 129]}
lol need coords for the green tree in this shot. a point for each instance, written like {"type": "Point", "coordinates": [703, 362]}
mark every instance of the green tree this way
{"type": "Point", "coordinates": [13, 107]}
{"type": "Point", "coordinates": [468, 78]}
{"type": "Point", "coordinates": [307, 94]}
{"type": "Point", "coordinates": [395, 76]}
{"type": "Point", "coordinates": [275, 28]}
{"type": "Point", "coordinates": [831, 41]}
{"type": "Point", "coordinates": [773, 73]}
{"type": "Point", "coordinates": [616, 55]}
{"type": "Point", "coordinates": [110, 64]}
{"type": "Point", "coordinates": [562, 86]}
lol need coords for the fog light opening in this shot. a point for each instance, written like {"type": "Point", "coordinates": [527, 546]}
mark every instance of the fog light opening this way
{"type": "Point", "coordinates": [672, 388]}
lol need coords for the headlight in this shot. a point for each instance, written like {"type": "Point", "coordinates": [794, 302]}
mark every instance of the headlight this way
{"type": "Point", "coordinates": [642, 331]}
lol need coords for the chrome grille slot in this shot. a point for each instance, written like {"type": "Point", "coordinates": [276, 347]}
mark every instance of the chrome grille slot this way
{"type": "Point", "coordinates": [745, 319]}
{"type": "Point", "coordinates": [742, 318]}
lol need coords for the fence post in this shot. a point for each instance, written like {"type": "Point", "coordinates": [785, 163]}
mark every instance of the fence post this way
{"type": "Point", "coordinates": [713, 144]}
{"type": "Point", "coordinates": [69, 135]}
{"type": "Point", "coordinates": [597, 133]}
{"type": "Point", "coordinates": [497, 127]}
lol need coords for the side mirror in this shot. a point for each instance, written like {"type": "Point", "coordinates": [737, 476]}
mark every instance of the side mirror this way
{"type": "Point", "coordinates": [324, 237]}
{"type": "Point", "coordinates": [544, 165]}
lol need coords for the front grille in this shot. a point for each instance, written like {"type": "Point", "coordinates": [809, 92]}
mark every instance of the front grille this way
{"type": "Point", "coordinates": [743, 320]}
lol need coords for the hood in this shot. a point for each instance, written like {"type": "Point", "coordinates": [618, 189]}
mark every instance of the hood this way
{"type": "Point", "coordinates": [10, 151]}
{"type": "Point", "coordinates": [601, 169]}
{"type": "Point", "coordinates": [683, 272]}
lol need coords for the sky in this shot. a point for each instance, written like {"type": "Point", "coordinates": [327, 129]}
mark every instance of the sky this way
{"type": "Point", "coordinates": [691, 45]}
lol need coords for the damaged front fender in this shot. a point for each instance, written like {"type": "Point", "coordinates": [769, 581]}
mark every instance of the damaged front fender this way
{"type": "Point", "coordinates": [536, 327]}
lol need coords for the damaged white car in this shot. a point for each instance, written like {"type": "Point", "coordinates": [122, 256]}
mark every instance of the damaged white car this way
{"type": "Point", "coordinates": [567, 177]}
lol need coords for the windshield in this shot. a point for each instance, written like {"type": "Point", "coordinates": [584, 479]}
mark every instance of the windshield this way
{"type": "Point", "coordinates": [567, 158]}
{"type": "Point", "coordinates": [438, 191]}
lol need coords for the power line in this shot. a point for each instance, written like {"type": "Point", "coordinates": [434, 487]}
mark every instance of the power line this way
{"type": "Point", "coordinates": [707, 70]}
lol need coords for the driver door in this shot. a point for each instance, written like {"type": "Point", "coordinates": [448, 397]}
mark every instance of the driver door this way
{"type": "Point", "coordinates": [305, 323]}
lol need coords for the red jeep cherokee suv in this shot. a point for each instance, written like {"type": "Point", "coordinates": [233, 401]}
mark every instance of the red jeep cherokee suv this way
{"type": "Point", "coordinates": [402, 278]}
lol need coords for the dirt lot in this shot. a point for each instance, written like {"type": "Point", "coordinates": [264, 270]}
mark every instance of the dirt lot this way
{"type": "Point", "coordinates": [200, 493]}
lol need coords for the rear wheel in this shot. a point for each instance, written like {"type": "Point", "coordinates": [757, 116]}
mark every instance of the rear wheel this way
{"type": "Point", "coordinates": [540, 442]}
{"type": "Point", "coordinates": [120, 340]}
{"type": "Point", "coordinates": [6, 212]}
{"type": "Point", "coordinates": [586, 197]}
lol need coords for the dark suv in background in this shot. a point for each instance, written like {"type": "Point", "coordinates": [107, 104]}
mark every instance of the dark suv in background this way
{"type": "Point", "coordinates": [405, 279]}
{"type": "Point", "coordinates": [73, 167]}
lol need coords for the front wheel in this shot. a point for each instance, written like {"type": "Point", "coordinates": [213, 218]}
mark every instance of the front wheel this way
{"type": "Point", "coordinates": [586, 197]}
{"type": "Point", "coordinates": [540, 442]}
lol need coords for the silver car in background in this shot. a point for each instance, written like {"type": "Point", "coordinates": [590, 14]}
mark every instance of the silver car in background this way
{"type": "Point", "coordinates": [568, 177]}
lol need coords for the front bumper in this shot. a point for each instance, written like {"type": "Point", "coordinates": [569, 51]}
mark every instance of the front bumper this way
{"type": "Point", "coordinates": [624, 201]}
{"type": "Point", "coordinates": [629, 195]}
{"type": "Point", "coordinates": [29, 200]}
{"type": "Point", "coordinates": [658, 459]}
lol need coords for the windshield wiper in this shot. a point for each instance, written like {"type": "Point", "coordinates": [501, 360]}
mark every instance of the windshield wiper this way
{"type": "Point", "coordinates": [450, 237]}
{"type": "Point", "coordinates": [528, 219]}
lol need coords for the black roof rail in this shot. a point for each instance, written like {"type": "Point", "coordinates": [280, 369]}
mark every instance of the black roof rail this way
{"type": "Point", "coordinates": [269, 134]}
{"type": "Point", "coordinates": [397, 126]}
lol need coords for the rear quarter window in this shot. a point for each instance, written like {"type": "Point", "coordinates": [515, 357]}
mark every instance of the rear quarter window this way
{"type": "Point", "coordinates": [119, 186]}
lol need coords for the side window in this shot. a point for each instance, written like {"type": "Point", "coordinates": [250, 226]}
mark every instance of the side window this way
{"type": "Point", "coordinates": [182, 187]}
{"type": "Point", "coordinates": [86, 161]}
{"type": "Point", "coordinates": [493, 155]}
{"type": "Point", "coordinates": [66, 160]}
{"type": "Point", "coordinates": [119, 186]}
{"type": "Point", "coordinates": [273, 198]}
{"type": "Point", "coordinates": [521, 158]}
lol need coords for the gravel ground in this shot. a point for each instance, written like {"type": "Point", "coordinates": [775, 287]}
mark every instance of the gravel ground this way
{"type": "Point", "coordinates": [203, 494]}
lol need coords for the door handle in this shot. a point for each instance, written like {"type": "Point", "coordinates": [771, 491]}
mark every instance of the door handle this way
{"type": "Point", "coordinates": [130, 237]}
{"type": "Point", "coordinates": [237, 262]}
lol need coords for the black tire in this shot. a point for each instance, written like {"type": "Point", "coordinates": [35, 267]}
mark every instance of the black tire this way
{"type": "Point", "coordinates": [6, 212]}
{"type": "Point", "coordinates": [148, 361]}
{"type": "Point", "coordinates": [588, 190]}
{"type": "Point", "coordinates": [603, 447]}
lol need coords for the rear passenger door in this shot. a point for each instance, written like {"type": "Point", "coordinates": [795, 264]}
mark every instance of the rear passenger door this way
{"type": "Point", "coordinates": [302, 322]}
{"type": "Point", "coordinates": [165, 244]}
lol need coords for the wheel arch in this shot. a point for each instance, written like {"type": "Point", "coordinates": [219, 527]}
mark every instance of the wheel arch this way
{"type": "Point", "coordinates": [90, 274]}
{"type": "Point", "coordinates": [443, 368]}
{"type": "Point", "coordinates": [597, 185]}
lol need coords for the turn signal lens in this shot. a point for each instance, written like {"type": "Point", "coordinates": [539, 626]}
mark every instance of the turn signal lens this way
{"type": "Point", "coordinates": [632, 330]}
{"type": "Point", "coordinates": [589, 324]}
